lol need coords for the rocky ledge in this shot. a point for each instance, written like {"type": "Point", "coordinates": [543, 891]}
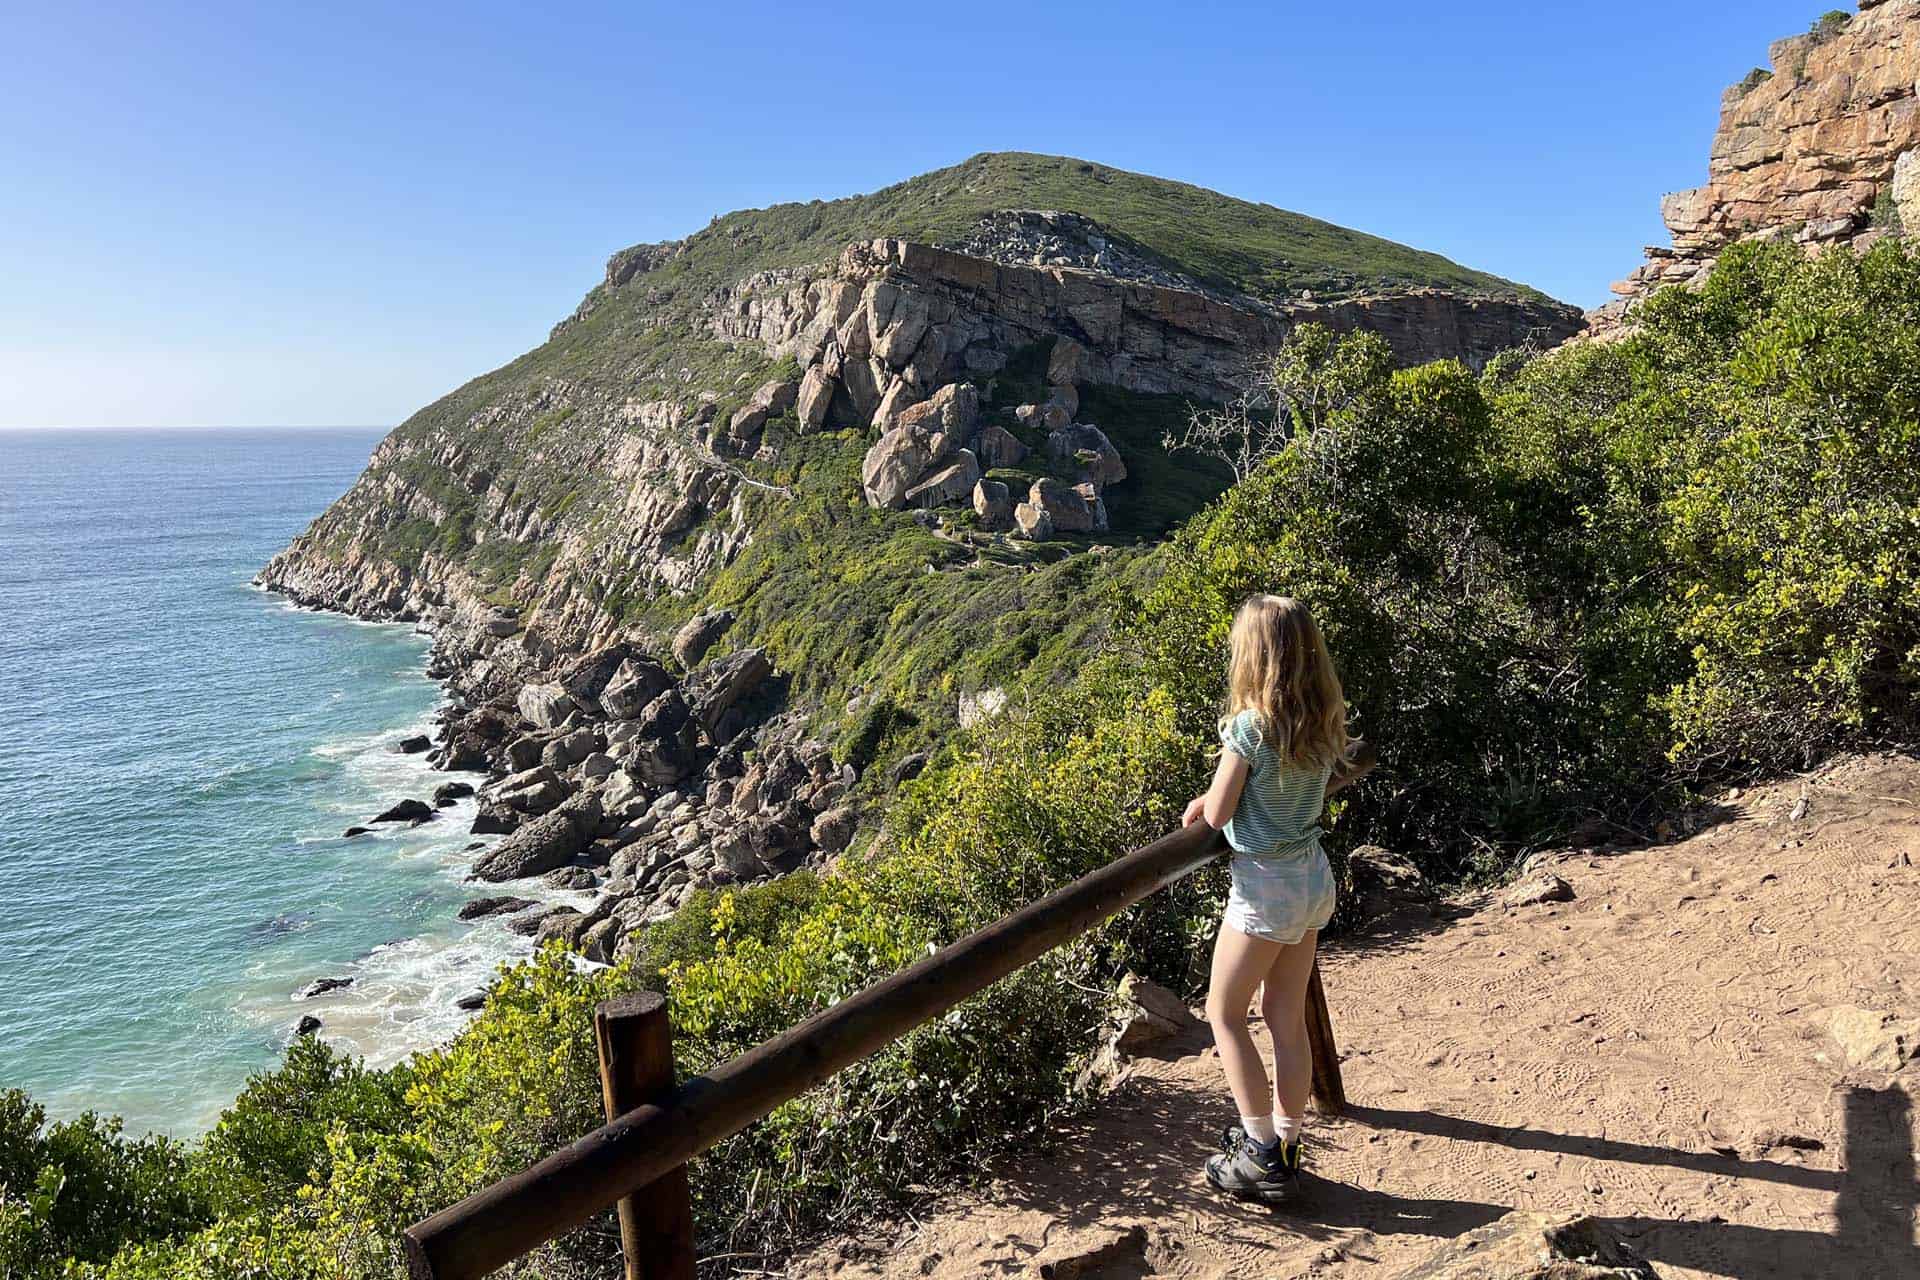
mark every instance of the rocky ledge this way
{"type": "Point", "coordinates": [1822, 147]}
{"type": "Point", "coordinates": [637, 777]}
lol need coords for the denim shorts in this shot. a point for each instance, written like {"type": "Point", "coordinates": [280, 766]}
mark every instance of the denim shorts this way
{"type": "Point", "coordinates": [1280, 897]}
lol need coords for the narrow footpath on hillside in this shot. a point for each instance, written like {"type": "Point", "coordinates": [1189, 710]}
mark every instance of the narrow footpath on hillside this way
{"type": "Point", "coordinates": [1709, 1049]}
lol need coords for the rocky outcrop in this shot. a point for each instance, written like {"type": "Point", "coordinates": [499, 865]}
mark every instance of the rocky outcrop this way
{"type": "Point", "coordinates": [1822, 147]}
{"type": "Point", "coordinates": [1528, 1245]}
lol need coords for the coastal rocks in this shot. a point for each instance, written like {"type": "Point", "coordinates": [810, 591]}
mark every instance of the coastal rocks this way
{"type": "Point", "coordinates": [414, 745]}
{"type": "Point", "coordinates": [639, 682]}
{"type": "Point", "coordinates": [448, 792]}
{"type": "Point", "coordinates": [322, 986]}
{"type": "Point", "coordinates": [715, 691]}
{"type": "Point", "coordinates": [307, 1026]}
{"type": "Point", "coordinates": [546, 705]}
{"type": "Point", "coordinates": [543, 844]}
{"type": "Point", "coordinates": [691, 642]}
{"type": "Point", "coordinates": [479, 908]}
{"type": "Point", "coordinates": [535, 791]}
{"type": "Point", "coordinates": [570, 749]}
{"type": "Point", "coordinates": [406, 811]}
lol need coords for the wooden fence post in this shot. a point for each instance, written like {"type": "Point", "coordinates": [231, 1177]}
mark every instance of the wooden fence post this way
{"type": "Point", "coordinates": [1329, 1093]}
{"type": "Point", "coordinates": [636, 1068]}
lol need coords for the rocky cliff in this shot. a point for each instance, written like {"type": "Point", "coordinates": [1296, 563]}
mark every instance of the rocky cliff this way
{"type": "Point", "coordinates": [1823, 147]}
{"type": "Point", "coordinates": [797, 437]}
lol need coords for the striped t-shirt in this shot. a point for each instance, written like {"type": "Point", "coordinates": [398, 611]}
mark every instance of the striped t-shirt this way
{"type": "Point", "coordinates": [1279, 810]}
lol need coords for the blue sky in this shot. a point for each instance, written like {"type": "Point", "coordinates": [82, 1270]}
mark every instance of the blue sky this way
{"type": "Point", "coordinates": [275, 214]}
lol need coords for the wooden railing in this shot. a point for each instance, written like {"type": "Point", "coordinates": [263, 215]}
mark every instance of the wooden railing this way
{"type": "Point", "coordinates": [637, 1160]}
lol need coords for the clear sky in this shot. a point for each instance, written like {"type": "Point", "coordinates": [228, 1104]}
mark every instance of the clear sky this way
{"type": "Point", "coordinates": [295, 214]}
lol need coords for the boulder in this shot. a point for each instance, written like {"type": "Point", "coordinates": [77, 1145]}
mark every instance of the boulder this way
{"type": "Point", "coordinates": [598, 765]}
{"type": "Point", "coordinates": [494, 818]}
{"type": "Point", "coordinates": [321, 986]}
{"type": "Point", "coordinates": [999, 447]}
{"type": "Point", "coordinates": [535, 791]}
{"type": "Point", "coordinates": [523, 753]}
{"type": "Point", "coordinates": [1528, 1245]}
{"type": "Point", "coordinates": [501, 623]}
{"type": "Point", "coordinates": [1064, 396]}
{"type": "Point", "coordinates": [895, 463]}
{"type": "Point", "coordinates": [570, 749]}
{"type": "Point", "coordinates": [1540, 887]}
{"type": "Point", "coordinates": [448, 792]}
{"type": "Point", "coordinates": [622, 798]}
{"type": "Point", "coordinates": [1067, 511]}
{"type": "Point", "coordinates": [993, 504]}
{"type": "Point", "coordinates": [1032, 523]}
{"type": "Point", "coordinates": [563, 924]}
{"type": "Point", "coordinates": [662, 750]}
{"type": "Point", "coordinates": [598, 940]}
{"type": "Point", "coordinates": [498, 906]}
{"type": "Point", "coordinates": [951, 483]}
{"type": "Point", "coordinates": [1873, 1041]}
{"type": "Point", "coordinates": [307, 1026]}
{"type": "Point", "coordinates": [414, 745]}
{"type": "Point", "coordinates": [1384, 881]}
{"type": "Point", "coordinates": [546, 705]}
{"type": "Point", "coordinates": [471, 1001]}
{"type": "Point", "coordinates": [638, 682]}
{"type": "Point", "coordinates": [816, 394]}
{"type": "Point", "coordinates": [1089, 446]}
{"type": "Point", "coordinates": [569, 878]}
{"type": "Point", "coordinates": [833, 830]}
{"type": "Point", "coordinates": [544, 844]}
{"type": "Point", "coordinates": [953, 411]}
{"type": "Point", "coordinates": [691, 642]}
{"type": "Point", "coordinates": [720, 686]}
{"type": "Point", "coordinates": [587, 676]}
{"type": "Point", "coordinates": [406, 811]}
{"type": "Point", "coordinates": [1146, 1013]}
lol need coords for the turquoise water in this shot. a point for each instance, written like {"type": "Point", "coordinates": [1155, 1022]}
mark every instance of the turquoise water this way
{"type": "Point", "coordinates": [181, 755]}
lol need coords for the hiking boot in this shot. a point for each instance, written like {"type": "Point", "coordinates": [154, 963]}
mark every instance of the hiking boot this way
{"type": "Point", "coordinates": [1269, 1175]}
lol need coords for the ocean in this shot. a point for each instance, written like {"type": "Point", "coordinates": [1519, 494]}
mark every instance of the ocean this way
{"type": "Point", "coordinates": [182, 754]}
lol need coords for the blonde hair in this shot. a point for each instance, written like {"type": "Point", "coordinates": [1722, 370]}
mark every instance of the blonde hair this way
{"type": "Point", "coordinates": [1281, 671]}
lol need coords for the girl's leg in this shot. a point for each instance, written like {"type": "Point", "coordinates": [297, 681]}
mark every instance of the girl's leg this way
{"type": "Point", "coordinates": [1240, 963]}
{"type": "Point", "coordinates": [1283, 1003]}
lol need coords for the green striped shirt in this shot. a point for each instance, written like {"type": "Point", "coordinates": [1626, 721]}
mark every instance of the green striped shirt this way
{"type": "Point", "coordinates": [1279, 810]}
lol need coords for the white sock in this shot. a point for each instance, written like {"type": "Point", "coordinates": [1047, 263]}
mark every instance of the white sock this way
{"type": "Point", "coordinates": [1287, 1128]}
{"type": "Point", "coordinates": [1259, 1128]}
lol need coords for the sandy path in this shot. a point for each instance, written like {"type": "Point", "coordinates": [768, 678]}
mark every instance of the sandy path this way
{"type": "Point", "coordinates": [1654, 1053]}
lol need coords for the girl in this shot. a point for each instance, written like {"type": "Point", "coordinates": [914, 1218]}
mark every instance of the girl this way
{"type": "Point", "coordinates": [1285, 751]}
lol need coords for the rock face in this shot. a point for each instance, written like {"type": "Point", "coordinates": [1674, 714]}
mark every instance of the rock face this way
{"type": "Point", "coordinates": [1819, 148]}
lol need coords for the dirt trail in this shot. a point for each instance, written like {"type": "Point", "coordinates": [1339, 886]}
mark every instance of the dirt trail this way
{"type": "Point", "coordinates": [1656, 1053]}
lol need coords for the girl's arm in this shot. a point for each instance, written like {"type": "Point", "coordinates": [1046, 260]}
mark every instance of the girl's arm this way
{"type": "Point", "coordinates": [1359, 764]}
{"type": "Point", "coordinates": [1223, 797]}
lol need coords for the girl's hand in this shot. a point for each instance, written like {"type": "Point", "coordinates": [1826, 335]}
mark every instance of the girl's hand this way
{"type": "Point", "coordinates": [1196, 811]}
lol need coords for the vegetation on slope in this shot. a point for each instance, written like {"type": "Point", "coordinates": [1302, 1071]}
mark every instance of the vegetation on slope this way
{"type": "Point", "coordinates": [1555, 589]}
{"type": "Point", "coordinates": [1233, 244]}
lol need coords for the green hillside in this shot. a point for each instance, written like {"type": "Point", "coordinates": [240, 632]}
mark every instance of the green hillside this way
{"type": "Point", "coordinates": [1234, 244]}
